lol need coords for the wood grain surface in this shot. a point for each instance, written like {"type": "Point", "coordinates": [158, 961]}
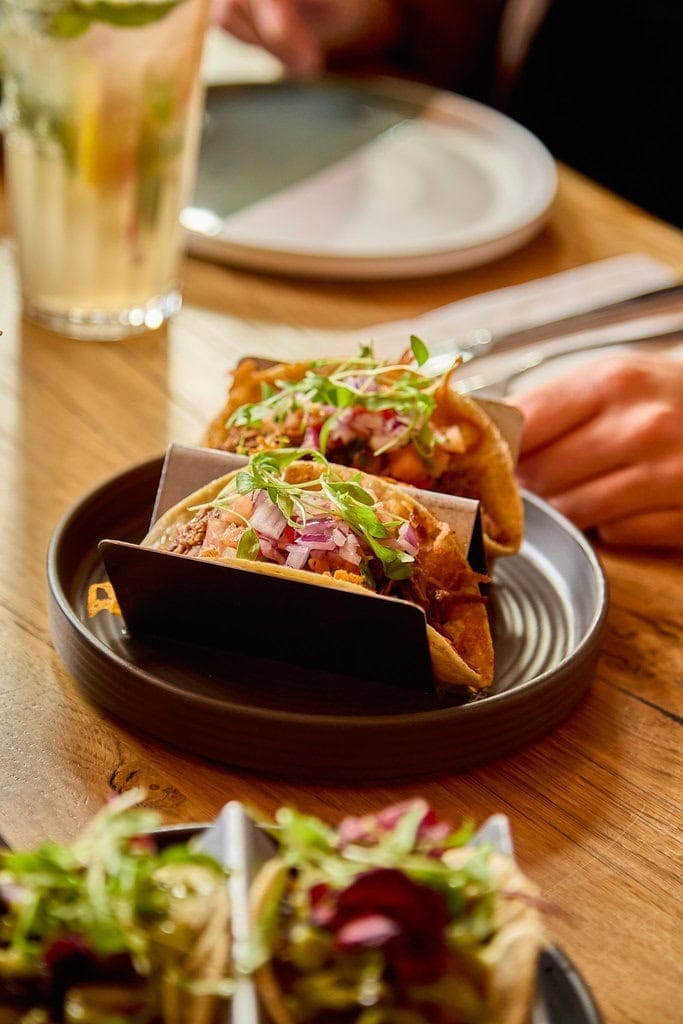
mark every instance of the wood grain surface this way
{"type": "Point", "coordinates": [594, 807]}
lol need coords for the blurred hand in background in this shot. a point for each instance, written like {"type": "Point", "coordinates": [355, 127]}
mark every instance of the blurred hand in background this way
{"type": "Point", "coordinates": [301, 33]}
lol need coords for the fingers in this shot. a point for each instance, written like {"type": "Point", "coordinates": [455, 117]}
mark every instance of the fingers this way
{"type": "Point", "coordinates": [622, 493]}
{"type": "Point", "coordinates": [604, 445]}
{"type": "Point", "coordinates": [284, 32]}
{"type": "Point", "coordinates": [560, 405]}
{"type": "Point", "coordinates": [232, 16]}
{"type": "Point", "coordinates": [278, 27]}
{"type": "Point", "coordinates": [302, 32]}
{"type": "Point", "coordinates": [648, 530]}
{"type": "Point", "coordinates": [646, 432]}
{"type": "Point", "coordinates": [553, 409]}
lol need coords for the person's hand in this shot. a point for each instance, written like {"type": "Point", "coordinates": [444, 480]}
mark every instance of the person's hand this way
{"type": "Point", "coordinates": [301, 32]}
{"type": "Point", "coordinates": [604, 444]}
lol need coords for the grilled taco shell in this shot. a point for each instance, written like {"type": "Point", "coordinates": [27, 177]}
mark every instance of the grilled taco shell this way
{"type": "Point", "coordinates": [477, 465]}
{"type": "Point", "coordinates": [442, 582]}
{"type": "Point", "coordinates": [501, 987]}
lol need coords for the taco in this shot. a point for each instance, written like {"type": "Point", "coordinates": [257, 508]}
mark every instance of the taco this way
{"type": "Point", "coordinates": [291, 512]}
{"type": "Point", "coordinates": [111, 927]}
{"type": "Point", "coordinates": [390, 420]}
{"type": "Point", "coordinates": [392, 919]}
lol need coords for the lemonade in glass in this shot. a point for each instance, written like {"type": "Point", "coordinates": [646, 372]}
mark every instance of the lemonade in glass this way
{"type": "Point", "coordinates": [102, 105]}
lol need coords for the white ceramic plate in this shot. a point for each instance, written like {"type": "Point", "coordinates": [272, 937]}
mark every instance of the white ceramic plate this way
{"type": "Point", "coordinates": [347, 180]}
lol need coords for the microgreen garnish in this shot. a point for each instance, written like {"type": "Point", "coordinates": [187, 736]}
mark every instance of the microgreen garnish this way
{"type": "Point", "coordinates": [419, 350]}
{"type": "Point", "coordinates": [312, 848]}
{"type": "Point", "coordinates": [103, 887]}
{"type": "Point", "coordinates": [361, 382]}
{"type": "Point", "coordinates": [323, 496]}
{"type": "Point", "coordinates": [248, 546]}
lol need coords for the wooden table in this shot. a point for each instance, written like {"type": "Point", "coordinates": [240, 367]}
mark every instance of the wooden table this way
{"type": "Point", "coordinates": [594, 807]}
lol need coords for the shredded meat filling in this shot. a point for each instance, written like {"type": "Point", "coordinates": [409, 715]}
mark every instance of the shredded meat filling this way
{"type": "Point", "coordinates": [190, 536]}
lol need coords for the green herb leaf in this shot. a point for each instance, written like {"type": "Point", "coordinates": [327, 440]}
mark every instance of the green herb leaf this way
{"type": "Point", "coordinates": [103, 887]}
{"type": "Point", "coordinates": [322, 496]}
{"type": "Point", "coordinates": [248, 546]}
{"type": "Point", "coordinates": [244, 482]}
{"type": "Point", "coordinates": [362, 382]}
{"type": "Point", "coordinates": [325, 432]}
{"type": "Point", "coordinates": [419, 349]}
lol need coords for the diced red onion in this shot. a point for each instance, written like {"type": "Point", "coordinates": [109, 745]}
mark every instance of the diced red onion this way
{"type": "Point", "coordinates": [269, 551]}
{"type": "Point", "coordinates": [350, 551]}
{"type": "Point", "coordinates": [368, 385]}
{"type": "Point", "coordinates": [374, 427]}
{"type": "Point", "coordinates": [297, 556]}
{"type": "Point", "coordinates": [267, 519]}
{"type": "Point", "coordinates": [322, 545]}
{"type": "Point", "coordinates": [342, 432]}
{"type": "Point", "coordinates": [311, 438]}
{"type": "Point", "coordinates": [319, 529]}
{"type": "Point", "coordinates": [365, 422]}
{"type": "Point", "coordinates": [408, 538]}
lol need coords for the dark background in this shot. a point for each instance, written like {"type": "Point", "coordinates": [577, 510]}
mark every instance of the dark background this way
{"type": "Point", "coordinates": [603, 88]}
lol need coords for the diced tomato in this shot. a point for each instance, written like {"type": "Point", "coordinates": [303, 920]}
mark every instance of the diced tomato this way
{"type": "Point", "coordinates": [405, 464]}
{"type": "Point", "coordinates": [289, 535]}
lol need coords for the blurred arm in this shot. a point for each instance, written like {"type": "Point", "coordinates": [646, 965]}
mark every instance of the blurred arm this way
{"type": "Point", "coordinates": [449, 43]}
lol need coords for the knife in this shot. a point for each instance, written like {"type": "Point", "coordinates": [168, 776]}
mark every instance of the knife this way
{"type": "Point", "coordinates": [488, 340]}
{"type": "Point", "coordinates": [640, 330]}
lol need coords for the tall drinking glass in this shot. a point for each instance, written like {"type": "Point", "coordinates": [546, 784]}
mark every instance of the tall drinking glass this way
{"type": "Point", "coordinates": [102, 104]}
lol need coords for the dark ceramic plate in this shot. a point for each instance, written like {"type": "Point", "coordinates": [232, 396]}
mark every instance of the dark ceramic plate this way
{"type": "Point", "coordinates": [548, 606]}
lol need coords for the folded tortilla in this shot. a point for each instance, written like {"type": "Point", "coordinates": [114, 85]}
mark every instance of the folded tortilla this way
{"type": "Point", "coordinates": [471, 460]}
{"type": "Point", "coordinates": [483, 978]}
{"type": "Point", "coordinates": [441, 580]}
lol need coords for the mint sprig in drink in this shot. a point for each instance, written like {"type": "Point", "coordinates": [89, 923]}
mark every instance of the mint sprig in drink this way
{"type": "Point", "coordinates": [102, 104]}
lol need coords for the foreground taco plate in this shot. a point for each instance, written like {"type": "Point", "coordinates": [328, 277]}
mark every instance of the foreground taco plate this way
{"type": "Point", "coordinates": [191, 946]}
{"type": "Point", "coordinates": [562, 996]}
{"type": "Point", "coordinates": [548, 607]}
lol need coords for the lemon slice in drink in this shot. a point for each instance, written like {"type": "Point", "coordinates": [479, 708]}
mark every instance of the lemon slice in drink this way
{"type": "Point", "coordinates": [89, 136]}
{"type": "Point", "coordinates": [104, 144]}
{"type": "Point", "coordinates": [127, 13]}
{"type": "Point", "coordinates": [88, 155]}
{"type": "Point", "coordinates": [76, 16]}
